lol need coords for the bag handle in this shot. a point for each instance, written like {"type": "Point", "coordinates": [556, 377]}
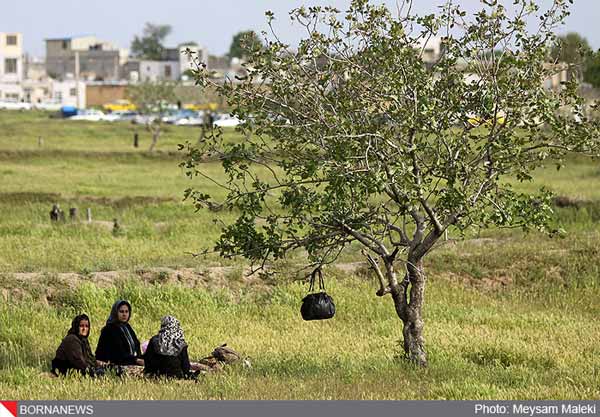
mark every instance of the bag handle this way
{"type": "Point", "coordinates": [314, 274]}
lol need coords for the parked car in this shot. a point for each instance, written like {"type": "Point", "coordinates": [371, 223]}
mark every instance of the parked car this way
{"type": "Point", "coordinates": [68, 111]}
{"type": "Point", "coordinates": [90, 115]}
{"type": "Point", "coordinates": [15, 105]}
{"type": "Point", "coordinates": [143, 119]}
{"type": "Point", "coordinates": [226, 120]}
{"type": "Point", "coordinates": [119, 105]}
{"type": "Point", "coordinates": [173, 116]}
{"type": "Point", "coordinates": [190, 121]}
{"type": "Point", "coordinates": [48, 105]}
{"type": "Point", "coordinates": [125, 116]}
{"type": "Point", "coordinates": [199, 107]}
{"type": "Point", "coordinates": [119, 116]}
{"type": "Point", "coordinates": [476, 121]}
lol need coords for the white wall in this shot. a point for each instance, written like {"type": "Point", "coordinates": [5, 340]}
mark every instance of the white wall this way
{"type": "Point", "coordinates": [199, 54]}
{"type": "Point", "coordinates": [156, 70]}
{"type": "Point", "coordinates": [64, 92]}
{"type": "Point", "coordinates": [10, 84]}
{"type": "Point", "coordinates": [9, 91]}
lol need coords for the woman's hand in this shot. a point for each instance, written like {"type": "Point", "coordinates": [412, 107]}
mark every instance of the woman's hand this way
{"type": "Point", "coordinates": [101, 363]}
{"type": "Point", "coordinates": [139, 361]}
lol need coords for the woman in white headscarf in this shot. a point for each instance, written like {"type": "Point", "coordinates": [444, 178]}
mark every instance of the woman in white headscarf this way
{"type": "Point", "coordinates": [167, 353]}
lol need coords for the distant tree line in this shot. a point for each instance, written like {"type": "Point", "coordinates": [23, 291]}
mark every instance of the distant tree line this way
{"type": "Point", "coordinates": [150, 45]}
{"type": "Point", "coordinates": [575, 50]}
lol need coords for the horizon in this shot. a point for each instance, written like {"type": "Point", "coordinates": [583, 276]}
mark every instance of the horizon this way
{"type": "Point", "coordinates": [118, 22]}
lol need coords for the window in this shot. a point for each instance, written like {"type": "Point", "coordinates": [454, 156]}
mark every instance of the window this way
{"type": "Point", "coordinates": [73, 92]}
{"type": "Point", "coordinates": [65, 44]}
{"type": "Point", "coordinates": [10, 66]}
{"type": "Point", "coordinates": [11, 40]}
{"type": "Point", "coordinates": [12, 97]}
{"type": "Point", "coordinates": [167, 71]}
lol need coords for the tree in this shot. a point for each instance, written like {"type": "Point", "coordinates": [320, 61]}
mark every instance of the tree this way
{"type": "Point", "coordinates": [355, 141]}
{"type": "Point", "coordinates": [151, 100]}
{"type": "Point", "coordinates": [570, 48]}
{"type": "Point", "coordinates": [591, 71]}
{"type": "Point", "coordinates": [573, 49]}
{"type": "Point", "coordinates": [243, 44]}
{"type": "Point", "coordinates": [150, 44]}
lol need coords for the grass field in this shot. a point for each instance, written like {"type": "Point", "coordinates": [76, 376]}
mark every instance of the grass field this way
{"type": "Point", "coordinates": [508, 314]}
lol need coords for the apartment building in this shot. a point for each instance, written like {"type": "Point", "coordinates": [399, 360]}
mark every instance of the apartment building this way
{"type": "Point", "coordinates": [173, 65]}
{"type": "Point", "coordinates": [11, 66]}
{"type": "Point", "coordinates": [85, 57]}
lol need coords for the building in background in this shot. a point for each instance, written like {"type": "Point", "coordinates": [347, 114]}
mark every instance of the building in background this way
{"type": "Point", "coordinates": [37, 86]}
{"type": "Point", "coordinates": [84, 58]}
{"type": "Point", "coordinates": [101, 93]}
{"type": "Point", "coordinates": [173, 66]}
{"type": "Point", "coordinates": [11, 66]}
{"type": "Point", "coordinates": [69, 93]}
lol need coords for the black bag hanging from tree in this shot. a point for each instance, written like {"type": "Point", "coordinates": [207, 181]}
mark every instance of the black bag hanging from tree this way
{"type": "Point", "coordinates": [319, 305]}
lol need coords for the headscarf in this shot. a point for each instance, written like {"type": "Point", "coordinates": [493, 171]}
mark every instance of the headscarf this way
{"type": "Point", "coordinates": [87, 350]}
{"type": "Point", "coordinates": [114, 312]}
{"type": "Point", "coordinates": [114, 320]}
{"type": "Point", "coordinates": [170, 338]}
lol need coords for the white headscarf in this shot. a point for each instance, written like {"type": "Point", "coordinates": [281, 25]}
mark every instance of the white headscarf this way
{"type": "Point", "coordinates": [170, 337]}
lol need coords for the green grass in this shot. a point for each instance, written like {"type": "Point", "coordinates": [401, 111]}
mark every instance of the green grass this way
{"type": "Point", "coordinates": [20, 131]}
{"type": "Point", "coordinates": [508, 316]}
{"type": "Point", "coordinates": [481, 345]}
{"type": "Point", "coordinates": [578, 179]}
{"type": "Point", "coordinates": [127, 176]}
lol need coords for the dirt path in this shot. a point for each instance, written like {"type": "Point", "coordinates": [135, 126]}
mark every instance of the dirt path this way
{"type": "Point", "coordinates": [45, 286]}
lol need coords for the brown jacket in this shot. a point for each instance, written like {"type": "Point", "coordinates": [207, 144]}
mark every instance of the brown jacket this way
{"type": "Point", "coordinates": [71, 351]}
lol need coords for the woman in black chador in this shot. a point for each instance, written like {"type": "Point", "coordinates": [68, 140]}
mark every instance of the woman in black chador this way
{"type": "Point", "coordinates": [74, 351]}
{"type": "Point", "coordinates": [118, 343]}
{"type": "Point", "coordinates": [167, 353]}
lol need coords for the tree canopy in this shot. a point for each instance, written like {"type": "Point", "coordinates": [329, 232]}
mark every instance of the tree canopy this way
{"type": "Point", "coordinates": [152, 99]}
{"type": "Point", "coordinates": [359, 136]}
{"type": "Point", "coordinates": [575, 50]}
{"type": "Point", "coordinates": [570, 48]}
{"type": "Point", "coordinates": [591, 70]}
{"type": "Point", "coordinates": [150, 44]}
{"type": "Point", "coordinates": [243, 44]}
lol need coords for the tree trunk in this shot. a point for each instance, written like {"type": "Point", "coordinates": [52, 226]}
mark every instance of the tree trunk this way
{"type": "Point", "coordinates": [155, 135]}
{"type": "Point", "coordinates": [409, 308]}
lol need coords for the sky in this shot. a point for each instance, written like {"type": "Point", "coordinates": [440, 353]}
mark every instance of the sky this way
{"type": "Point", "coordinates": [210, 23]}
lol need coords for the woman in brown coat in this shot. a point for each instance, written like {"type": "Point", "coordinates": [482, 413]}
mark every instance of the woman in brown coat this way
{"type": "Point", "coordinates": [74, 351]}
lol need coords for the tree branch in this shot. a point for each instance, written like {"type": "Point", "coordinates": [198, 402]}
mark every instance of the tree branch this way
{"type": "Point", "coordinates": [383, 289]}
{"type": "Point", "coordinates": [370, 242]}
{"type": "Point", "coordinates": [432, 216]}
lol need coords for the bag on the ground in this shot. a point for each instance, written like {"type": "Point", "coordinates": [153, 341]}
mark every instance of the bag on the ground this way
{"type": "Point", "coordinates": [319, 305]}
{"type": "Point", "coordinates": [220, 356]}
{"type": "Point", "coordinates": [225, 354]}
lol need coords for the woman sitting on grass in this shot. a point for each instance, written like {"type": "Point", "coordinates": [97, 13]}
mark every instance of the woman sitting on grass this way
{"type": "Point", "coordinates": [118, 343]}
{"type": "Point", "coordinates": [167, 353]}
{"type": "Point", "coordinates": [74, 351]}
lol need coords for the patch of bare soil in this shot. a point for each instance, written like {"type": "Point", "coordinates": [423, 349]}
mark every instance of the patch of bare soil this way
{"type": "Point", "coordinates": [494, 282]}
{"type": "Point", "coordinates": [45, 286]}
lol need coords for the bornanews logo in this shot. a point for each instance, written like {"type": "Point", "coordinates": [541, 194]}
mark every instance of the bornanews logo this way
{"type": "Point", "coordinates": [8, 409]}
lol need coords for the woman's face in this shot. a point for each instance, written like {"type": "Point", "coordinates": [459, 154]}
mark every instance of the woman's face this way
{"type": "Point", "coordinates": [84, 328]}
{"type": "Point", "coordinates": [123, 313]}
